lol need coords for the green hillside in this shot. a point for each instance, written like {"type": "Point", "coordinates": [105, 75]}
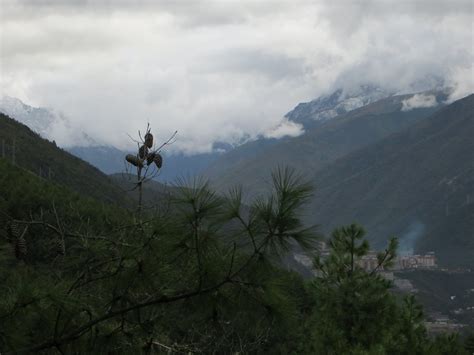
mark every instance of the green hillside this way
{"type": "Point", "coordinates": [24, 195]}
{"type": "Point", "coordinates": [417, 184]}
{"type": "Point", "coordinates": [45, 159]}
{"type": "Point", "coordinates": [155, 194]}
{"type": "Point", "coordinates": [89, 277]}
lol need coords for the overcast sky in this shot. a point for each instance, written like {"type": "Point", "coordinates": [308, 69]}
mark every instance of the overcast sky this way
{"type": "Point", "coordinates": [221, 70]}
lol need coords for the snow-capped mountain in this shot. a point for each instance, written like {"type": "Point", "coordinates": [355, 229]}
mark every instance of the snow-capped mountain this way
{"type": "Point", "coordinates": [39, 119]}
{"type": "Point", "coordinates": [47, 122]}
{"type": "Point", "coordinates": [339, 102]}
{"type": "Point", "coordinates": [326, 138]}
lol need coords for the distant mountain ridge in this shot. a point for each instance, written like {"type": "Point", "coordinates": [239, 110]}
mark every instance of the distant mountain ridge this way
{"type": "Point", "coordinates": [39, 119]}
{"type": "Point", "coordinates": [47, 122]}
{"type": "Point", "coordinates": [399, 166]}
{"type": "Point", "coordinates": [337, 103]}
{"type": "Point", "coordinates": [110, 159]}
{"type": "Point", "coordinates": [417, 184]}
{"type": "Point", "coordinates": [321, 144]}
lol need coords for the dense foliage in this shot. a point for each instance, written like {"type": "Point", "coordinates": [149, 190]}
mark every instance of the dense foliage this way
{"type": "Point", "coordinates": [354, 311]}
{"type": "Point", "coordinates": [25, 148]}
{"type": "Point", "coordinates": [199, 274]}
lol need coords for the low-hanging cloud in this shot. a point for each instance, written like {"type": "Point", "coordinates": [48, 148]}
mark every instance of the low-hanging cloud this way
{"type": "Point", "coordinates": [285, 129]}
{"type": "Point", "coordinates": [221, 71]}
{"type": "Point", "coordinates": [419, 101]}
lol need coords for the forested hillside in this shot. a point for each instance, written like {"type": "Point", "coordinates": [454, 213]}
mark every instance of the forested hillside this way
{"type": "Point", "coordinates": [236, 177]}
{"type": "Point", "coordinates": [27, 149]}
{"type": "Point", "coordinates": [417, 184]}
{"type": "Point", "coordinates": [80, 276]}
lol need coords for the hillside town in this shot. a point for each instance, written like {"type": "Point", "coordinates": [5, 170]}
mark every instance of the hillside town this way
{"type": "Point", "coordinates": [437, 322]}
{"type": "Point", "coordinates": [370, 262]}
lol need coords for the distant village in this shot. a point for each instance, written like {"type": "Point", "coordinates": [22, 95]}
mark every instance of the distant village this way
{"type": "Point", "coordinates": [403, 262]}
{"type": "Point", "coordinates": [369, 262]}
{"type": "Point", "coordinates": [438, 323]}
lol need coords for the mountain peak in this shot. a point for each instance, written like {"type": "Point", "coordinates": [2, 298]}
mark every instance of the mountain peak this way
{"type": "Point", "coordinates": [48, 123]}
{"type": "Point", "coordinates": [336, 103]}
{"type": "Point", "coordinates": [39, 119]}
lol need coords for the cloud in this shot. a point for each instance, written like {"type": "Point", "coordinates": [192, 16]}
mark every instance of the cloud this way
{"type": "Point", "coordinates": [285, 129]}
{"type": "Point", "coordinates": [221, 70]}
{"type": "Point", "coordinates": [419, 101]}
{"type": "Point", "coordinates": [462, 82]}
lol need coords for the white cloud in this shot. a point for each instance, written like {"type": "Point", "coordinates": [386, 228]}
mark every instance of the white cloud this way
{"type": "Point", "coordinates": [220, 70]}
{"type": "Point", "coordinates": [462, 82]}
{"type": "Point", "coordinates": [285, 129]}
{"type": "Point", "coordinates": [419, 101]}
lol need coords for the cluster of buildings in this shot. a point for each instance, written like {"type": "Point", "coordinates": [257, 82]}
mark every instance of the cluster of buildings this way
{"type": "Point", "coordinates": [442, 324]}
{"type": "Point", "coordinates": [427, 261]}
{"type": "Point", "coordinates": [437, 323]}
{"type": "Point", "coordinates": [369, 262]}
{"type": "Point", "coordinates": [403, 262]}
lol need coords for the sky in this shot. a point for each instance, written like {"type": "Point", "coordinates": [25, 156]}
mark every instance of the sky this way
{"type": "Point", "coordinates": [221, 70]}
